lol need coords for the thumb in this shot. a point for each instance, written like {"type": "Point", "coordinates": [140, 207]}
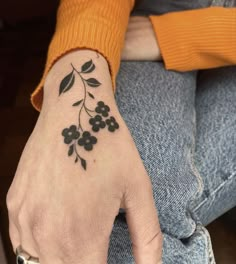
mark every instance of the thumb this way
{"type": "Point", "coordinates": [142, 219]}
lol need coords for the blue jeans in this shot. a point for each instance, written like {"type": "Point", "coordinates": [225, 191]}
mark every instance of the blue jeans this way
{"type": "Point", "coordinates": [158, 7]}
{"type": "Point", "coordinates": [184, 128]}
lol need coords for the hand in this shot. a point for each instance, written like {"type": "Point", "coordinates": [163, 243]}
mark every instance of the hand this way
{"type": "Point", "coordinates": [140, 41]}
{"type": "Point", "coordinates": [67, 191]}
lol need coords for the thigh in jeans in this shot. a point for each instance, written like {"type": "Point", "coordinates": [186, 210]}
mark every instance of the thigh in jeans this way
{"type": "Point", "coordinates": [158, 108]}
{"type": "Point", "coordinates": [216, 142]}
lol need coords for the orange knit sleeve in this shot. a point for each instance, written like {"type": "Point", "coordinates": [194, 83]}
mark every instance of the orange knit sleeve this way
{"type": "Point", "coordinates": [93, 24]}
{"type": "Point", "coordinates": [197, 39]}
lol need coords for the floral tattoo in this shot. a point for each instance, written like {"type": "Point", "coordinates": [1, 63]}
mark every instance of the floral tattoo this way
{"type": "Point", "coordinates": [76, 137]}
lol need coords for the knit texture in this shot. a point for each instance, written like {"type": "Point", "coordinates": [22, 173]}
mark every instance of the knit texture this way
{"type": "Point", "coordinates": [197, 39]}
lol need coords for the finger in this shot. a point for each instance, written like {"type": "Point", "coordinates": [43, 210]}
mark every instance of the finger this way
{"type": "Point", "coordinates": [142, 219]}
{"type": "Point", "coordinates": [14, 236]}
{"type": "Point", "coordinates": [28, 244]}
{"type": "Point", "coordinates": [27, 241]}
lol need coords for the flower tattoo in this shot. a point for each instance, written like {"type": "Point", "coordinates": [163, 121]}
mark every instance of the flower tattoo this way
{"type": "Point", "coordinates": [87, 141]}
{"type": "Point", "coordinates": [112, 124]}
{"type": "Point", "coordinates": [97, 123]}
{"type": "Point", "coordinates": [70, 134]}
{"type": "Point", "coordinates": [75, 136]}
{"type": "Point", "coordinates": [102, 109]}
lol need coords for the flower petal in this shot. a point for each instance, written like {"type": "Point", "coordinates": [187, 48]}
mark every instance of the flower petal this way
{"type": "Point", "coordinates": [67, 140]}
{"type": "Point", "coordinates": [81, 141]}
{"type": "Point", "coordinates": [97, 109]}
{"type": "Point", "coordinates": [88, 147]}
{"type": "Point", "coordinates": [93, 140]}
{"type": "Point", "coordinates": [105, 114]}
{"type": "Point", "coordinates": [77, 134]}
{"type": "Point", "coordinates": [91, 121]}
{"type": "Point", "coordinates": [95, 128]}
{"type": "Point", "coordinates": [64, 132]}
{"type": "Point", "coordinates": [111, 128]}
{"type": "Point", "coordinates": [86, 134]}
{"type": "Point", "coordinates": [72, 127]}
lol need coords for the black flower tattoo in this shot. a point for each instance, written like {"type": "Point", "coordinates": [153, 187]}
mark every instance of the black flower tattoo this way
{"type": "Point", "coordinates": [75, 136]}
{"type": "Point", "coordinates": [70, 134]}
{"type": "Point", "coordinates": [87, 141]}
{"type": "Point", "coordinates": [112, 124]}
{"type": "Point", "coordinates": [102, 109]}
{"type": "Point", "coordinates": [97, 123]}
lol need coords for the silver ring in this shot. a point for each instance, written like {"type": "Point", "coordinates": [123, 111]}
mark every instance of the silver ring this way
{"type": "Point", "coordinates": [22, 257]}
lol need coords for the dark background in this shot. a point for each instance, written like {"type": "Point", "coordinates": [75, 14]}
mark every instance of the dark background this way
{"type": "Point", "coordinates": [26, 28]}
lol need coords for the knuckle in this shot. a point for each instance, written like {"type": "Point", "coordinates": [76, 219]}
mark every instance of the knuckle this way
{"type": "Point", "coordinates": [21, 217]}
{"type": "Point", "coordinates": [71, 234]}
{"type": "Point", "coordinates": [38, 232]}
{"type": "Point", "coordinates": [39, 228]}
{"type": "Point", "coordinates": [13, 234]}
{"type": "Point", "coordinates": [10, 202]}
{"type": "Point", "coordinates": [46, 228]}
{"type": "Point", "coordinates": [13, 206]}
{"type": "Point", "coordinates": [151, 234]}
{"type": "Point", "coordinates": [155, 240]}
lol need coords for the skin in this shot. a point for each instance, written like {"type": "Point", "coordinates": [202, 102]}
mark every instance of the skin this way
{"type": "Point", "coordinates": [140, 41]}
{"type": "Point", "coordinates": [61, 213]}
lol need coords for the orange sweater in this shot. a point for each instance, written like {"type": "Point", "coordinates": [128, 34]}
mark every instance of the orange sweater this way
{"type": "Point", "coordinates": [195, 39]}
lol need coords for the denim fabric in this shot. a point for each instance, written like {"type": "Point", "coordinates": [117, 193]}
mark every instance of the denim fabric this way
{"type": "Point", "coordinates": [158, 106]}
{"type": "Point", "coordinates": [158, 7]}
{"type": "Point", "coordinates": [216, 142]}
{"type": "Point", "coordinates": [224, 3]}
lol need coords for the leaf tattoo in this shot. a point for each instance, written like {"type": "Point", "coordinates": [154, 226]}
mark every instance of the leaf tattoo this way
{"type": "Point", "coordinates": [91, 95]}
{"type": "Point", "coordinates": [88, 67]}
{"type": "Point", "coordinates": [67, 83]}
{"type": "Point", "coordinates": [93, 82]}
{"type": "Point", "coordinates": [75, 136]}
{"type": "Point", "coordinates": [77, 103]}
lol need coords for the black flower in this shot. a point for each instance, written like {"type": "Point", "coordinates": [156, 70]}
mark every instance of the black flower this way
{"type": "Point", "coordinates": [102, 109]}
{"type": "Point", "coordinates": [87, 140]}
{"type": "Point", "coordinates": [97, 123]}
{"type": "Point", "coordinates": [112, 124]}
{"type": "Point", "coordinates": [70, 134]}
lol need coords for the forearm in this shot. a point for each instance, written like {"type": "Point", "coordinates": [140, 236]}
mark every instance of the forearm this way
{"type": "Point", "coordinates": [140, 41]}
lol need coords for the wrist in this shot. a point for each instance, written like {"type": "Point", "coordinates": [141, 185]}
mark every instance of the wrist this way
{"type": "Point", "coordinates": [73, 75]}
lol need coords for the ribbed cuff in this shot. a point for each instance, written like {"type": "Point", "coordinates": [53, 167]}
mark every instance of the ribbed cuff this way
{"type": "Point", "coordinates": [197, 39]}
{"type": "Point", "coordinates": [98, 25]}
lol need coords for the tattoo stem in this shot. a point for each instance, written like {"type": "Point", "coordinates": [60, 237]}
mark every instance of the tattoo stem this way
{"type": "Point", "coordinates": [89, 109]}
{"type": "Point", "coordinates": [75, 149]}
{"type": "Point", "coordinates": [84, 99]}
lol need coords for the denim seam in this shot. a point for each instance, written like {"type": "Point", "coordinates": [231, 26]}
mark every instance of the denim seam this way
{"type": "Point", "coordinates": [192, 163]}
{"type": "Point", "coordinates": [219, 187]}
{"type": "Point", "coordinates": [211, 258]}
